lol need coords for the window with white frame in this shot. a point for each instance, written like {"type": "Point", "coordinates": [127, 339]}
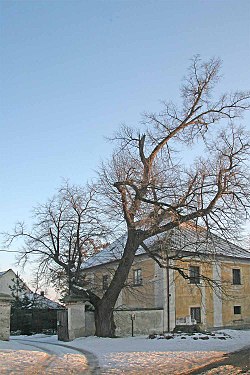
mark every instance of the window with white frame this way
{"type": "Point", "coordinates": [137, 277]}
{"type": "Point", "coordinates": [195, 313]}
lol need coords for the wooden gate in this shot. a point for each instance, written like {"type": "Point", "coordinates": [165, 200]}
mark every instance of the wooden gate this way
{"type": "Point", "coordinates": [62, 325]}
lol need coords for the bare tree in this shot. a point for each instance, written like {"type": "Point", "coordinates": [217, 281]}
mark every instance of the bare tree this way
{"type": "Point", "coordinates": [149, 188]}
{"type": "Point", "coordinates": [66, 232]}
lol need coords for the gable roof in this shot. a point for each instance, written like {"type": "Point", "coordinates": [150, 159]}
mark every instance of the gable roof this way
{"type": "Point", "coordinates": [14, 275]}
{"type": "Point", "coordinates": [4, 272]}
{"type": "Point", "coordinates": [184, 239]}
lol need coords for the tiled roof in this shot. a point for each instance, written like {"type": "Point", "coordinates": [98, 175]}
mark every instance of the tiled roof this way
{"type": "Point", "coordinates": [111, 253]}
{"type": "Point", "coordinates": [43, 302]}
{"type": "Point", "coordinates": [184, 240]}
{"type": "Point", "coordinates": [189, 240]}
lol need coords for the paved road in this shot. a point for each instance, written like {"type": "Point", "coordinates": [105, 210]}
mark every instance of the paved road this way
{"type": "Point", "coordinates": [39, 358]}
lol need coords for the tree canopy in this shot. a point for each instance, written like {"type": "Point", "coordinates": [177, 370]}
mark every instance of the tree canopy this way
{"type": "Point", "coordinates": [149, 188]}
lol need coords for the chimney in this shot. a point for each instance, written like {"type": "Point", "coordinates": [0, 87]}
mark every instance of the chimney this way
{"type": "Point", "coordinates": [42, 293]}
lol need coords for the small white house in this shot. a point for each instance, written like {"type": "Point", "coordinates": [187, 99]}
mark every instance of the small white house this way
{"type": "Point", "coordinates": [6, 280]}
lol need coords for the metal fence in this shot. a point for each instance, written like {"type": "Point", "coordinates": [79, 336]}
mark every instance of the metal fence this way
{"type": "Point", "coordinates": [30, 321]}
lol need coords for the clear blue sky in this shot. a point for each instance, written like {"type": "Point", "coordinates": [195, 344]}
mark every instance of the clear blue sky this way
{"type": "Point", "coordinates": [73, 71]}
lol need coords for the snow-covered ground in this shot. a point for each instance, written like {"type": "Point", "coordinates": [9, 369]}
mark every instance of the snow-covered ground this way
{"type": "Point", "coordinates": [140, 355]}
{"type": "Point", "coordinates": [223, 341]}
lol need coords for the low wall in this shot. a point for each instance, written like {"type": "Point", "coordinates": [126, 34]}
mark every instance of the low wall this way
{"type": "Point", "coordinates": [89, 323]}
{"type": "Point", "coordinates": [144, 322]}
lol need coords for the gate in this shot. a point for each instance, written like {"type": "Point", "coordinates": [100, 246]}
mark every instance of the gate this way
{"type": "Point", "coordinates": [31, 321]}
{"type": "Point", "coordinates": [62, 325]}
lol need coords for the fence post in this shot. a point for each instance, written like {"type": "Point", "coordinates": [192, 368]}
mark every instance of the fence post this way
{"type": "Point", "coordinates": [75, 306]}
{"type": "Point", "coordinates": [132, 316]}
{"type": "Point", "coordinates": [5, 300]}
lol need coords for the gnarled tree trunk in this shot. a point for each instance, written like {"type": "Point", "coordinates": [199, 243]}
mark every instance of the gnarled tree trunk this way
{"type": "Point", "coordinates": [104, 309]}
{"type": "Point", "coordinates": [104, 320]}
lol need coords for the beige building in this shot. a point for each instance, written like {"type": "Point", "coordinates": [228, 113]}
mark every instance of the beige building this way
{"type": "Point", "coordinates": [203, 281]}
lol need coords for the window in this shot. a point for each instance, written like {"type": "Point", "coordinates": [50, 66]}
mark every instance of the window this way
{"type": "Point", "coordinates": [105, 282]}
{"type": "Point", "coordinates": [195, 313]}
{"type": "Point", "coordinates": [194, 274]}
{"type": "Point", "coordinates": [236, 276]}
{"type": "Point", "coordinates": [137, 277]}
{"type": "Point", "coordinates": [237, 309]}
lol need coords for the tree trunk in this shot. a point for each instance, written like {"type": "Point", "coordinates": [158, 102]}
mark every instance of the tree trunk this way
{"type": "Point", "coordinates": [104, 310]}
{"type": "Point", "coordinates": [104, 321]}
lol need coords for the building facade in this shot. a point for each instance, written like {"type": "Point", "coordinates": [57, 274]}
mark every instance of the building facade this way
{"type": "Point", "coordinates": [211, 289]}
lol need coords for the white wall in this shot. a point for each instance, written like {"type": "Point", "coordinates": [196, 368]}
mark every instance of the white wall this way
{"type": "Point", "coordinates": [6, 281]}
{"type": "Point", "coordinates": [217, 296]}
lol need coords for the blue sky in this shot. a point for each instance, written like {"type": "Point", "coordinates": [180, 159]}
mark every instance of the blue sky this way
{"type": "Point", "coordinates": [73, 71]}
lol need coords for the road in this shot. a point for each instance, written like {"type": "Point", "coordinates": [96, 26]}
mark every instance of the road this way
{"type": "Point", "coordinates": [39, 358]}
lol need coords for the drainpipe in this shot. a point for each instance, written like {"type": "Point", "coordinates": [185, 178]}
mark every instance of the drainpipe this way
{"type": "Point", "coordinates": [168, 296]}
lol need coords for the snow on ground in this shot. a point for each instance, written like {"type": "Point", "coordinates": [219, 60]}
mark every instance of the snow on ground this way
{"type": "Point", "coordinates": [28, 355]}
{"type": "Point", "coordinates": [223, 341]}
{"type": "Point", "coordinates": [30, 362]}
{"type": "Point", "coordinates": [140, 355]}
{"type": "Point", "coordinates": [226, 341]}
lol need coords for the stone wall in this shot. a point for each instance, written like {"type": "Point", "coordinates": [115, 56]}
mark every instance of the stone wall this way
{"type": "Point", "coordinates": [89, 323]}
{"type": "Point", "coordinates": [144, 322]}
{"type": "Point", "coordinates": [5, 300]}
